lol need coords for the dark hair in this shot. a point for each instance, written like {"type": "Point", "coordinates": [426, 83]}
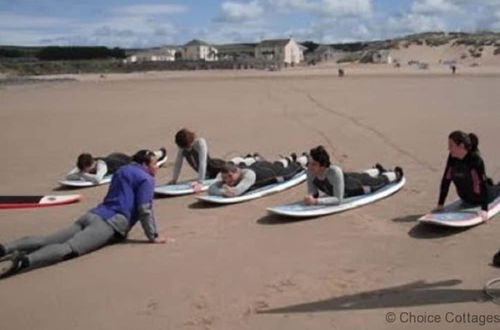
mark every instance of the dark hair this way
{"type": "Point", "coordinates": [84, 160]}
{"type": "Point", "coordinates": [184, 138]}
{"type": "Point", "coordinates": [229, 167]}
{"type": "Point", "coordinates": [143, 157]}
{"type": "Point", "coordinates": [470, 141]}
{"type": "Point", "coordinates": [320, 155]}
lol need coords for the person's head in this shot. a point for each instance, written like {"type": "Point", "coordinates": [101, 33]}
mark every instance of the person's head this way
{"type": "Point", "coordinates": [85, 162]}
{"type": "Point", "coordinates": [230, 174]}
{"type": "Point", "coordinates": [184, 138]}
{"type": "Point", "coordinates": [146, 158]}
{"type": "Point", "coordinates": [460, 143]}
{"type": "Point", "coordinates": [318, 160]}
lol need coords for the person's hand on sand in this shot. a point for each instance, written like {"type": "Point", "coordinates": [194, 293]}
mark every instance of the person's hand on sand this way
{"type": "Point", "coordinates": [310, 200]}
{"type": "Point", "coordinates": [197, 186]}
{"type": "Point", "coordinates": [161, 239]}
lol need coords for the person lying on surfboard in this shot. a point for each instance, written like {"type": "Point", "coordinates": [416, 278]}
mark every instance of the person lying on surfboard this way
{"type": "Point", "coordinates": [95, 169]}
{"type": "Point", "coordinates": [465, 168]}
{"type": "Point", "coordinates": [236, 179]}
{"type": "Point", "coordinates": [322, 176]}
{"type": "Point", "coordinates": [129, 200]}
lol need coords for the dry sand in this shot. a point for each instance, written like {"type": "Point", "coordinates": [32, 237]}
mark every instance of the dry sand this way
{"type": "Point", "coordinates": [235, 267]}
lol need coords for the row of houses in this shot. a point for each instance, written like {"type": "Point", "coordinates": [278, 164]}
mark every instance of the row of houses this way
{"type": "Point", "coordinates": [286, 51]}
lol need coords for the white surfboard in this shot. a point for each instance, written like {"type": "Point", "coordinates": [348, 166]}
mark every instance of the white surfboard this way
{"type": "Point", "coordinates": [457, 214]}
{"type": "Point", "coordinates": [257, 193]}
{"type": "Point", "coordinates": [181, 188]}
{"type": "Point", "coordinates": [85, 183]}
{"type": "Point", "coordinates": [300, 210]}
{"type": "Point", "coordinates": [80, 183]}
{"type": "Point", "coordinates": [15, 202]}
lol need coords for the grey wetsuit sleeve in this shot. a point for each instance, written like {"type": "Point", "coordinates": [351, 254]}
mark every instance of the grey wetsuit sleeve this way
{"type": "Point", "coordinates": [248, 178]}
{"type": "Point", "coordinates": [101, 170]}
{"type": "Point", "coordinates": [146, 217]}
{"type": "Point", "coordinates": [336, 178]}
{"type": "Point", "coordinates": [178, 164]}
{"type": "Point", "coordinates": [200, 145]}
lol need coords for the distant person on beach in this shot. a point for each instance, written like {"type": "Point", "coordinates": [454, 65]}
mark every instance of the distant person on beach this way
{"type": "Point", "coordinates": [328, 179]}
{"type": "Point", "coordinates": [341, 72]}
{"type": "Point", "coordinates": [94, 169]}
{"type": "Point", "coordinates": [129, 200]}
{"type": "Point", "coordinates": [453, 69]}
{"type": "Point", "coordinates": [465, 168]}
{"type": "Point", "coordinates": [237, 179]}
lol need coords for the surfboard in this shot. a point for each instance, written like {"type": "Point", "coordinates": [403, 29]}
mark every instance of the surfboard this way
{"type": "Point", "coordinates": [181, 188]}
{"type": "Point", "coordinates": [300, 210]}
{"type": "Point", "coordinates": [257, 193]}
{"type": "Point", "coordinates": [80, 183]}
{"type": "Point", "coordinates": [84, 183]}
{"type": "Point", "coordinates": [11, 202]}
{"type": "Point", "coordinates": [458, 214]}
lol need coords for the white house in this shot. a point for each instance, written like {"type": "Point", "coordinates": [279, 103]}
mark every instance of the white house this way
{"type": "Point", "coordinates": [281, 50]}
{"type": "Point", "coordinates": [164, 54]}
{"type": "Point", "coordinates": [196, 50]}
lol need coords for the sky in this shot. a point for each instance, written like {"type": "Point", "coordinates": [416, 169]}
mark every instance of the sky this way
{"type": "Point", "coordinates": [153, 23]}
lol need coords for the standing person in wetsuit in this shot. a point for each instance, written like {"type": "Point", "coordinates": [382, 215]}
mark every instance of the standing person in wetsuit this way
{"type": "Point", "coordinates": [195, 150]}
{"type": "Point", "coordinates": [329, 179]}
{"type": "Point", "coordinates": [465, 168]}
{"type": "Point", "coordinates": [95, 169]}
{"type": "Point", "coordinates": [235, 179]}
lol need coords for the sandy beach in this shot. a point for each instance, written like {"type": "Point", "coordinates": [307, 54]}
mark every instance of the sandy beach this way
{"type": "Point", "coordinates": [236, 267]}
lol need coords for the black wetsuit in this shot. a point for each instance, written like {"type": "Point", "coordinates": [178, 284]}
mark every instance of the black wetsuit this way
{"type": "Point", "coordinates": [468, 175]}
{"type": "Point", "coordinates": [267, 173]}
{"type": "Point", "coordinates": [115, 160]}
{"type": "Point", "coordinates": [214, 165]}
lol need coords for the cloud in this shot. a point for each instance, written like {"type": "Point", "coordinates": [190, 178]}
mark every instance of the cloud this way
{"type": "Point", "coordinates": [240, 12]}
{"type": "Point", "coordinates": [150, 9]}
{"type": "Point", "coordinates": [15, 21]}
{"type": "Point", "coordinates": [327, 8]}
{"type": "Point", "coordinates": [430, 7]}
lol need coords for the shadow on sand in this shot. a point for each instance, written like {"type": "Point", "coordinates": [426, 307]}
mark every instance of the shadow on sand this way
{"type": "Point", "coordinates": [417, 293]}
{"type": "Point", "coordinates": [274, 219]}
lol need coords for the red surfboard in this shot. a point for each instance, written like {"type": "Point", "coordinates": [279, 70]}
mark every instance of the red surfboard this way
{"type": "Point", "coordinates": [15, 202]}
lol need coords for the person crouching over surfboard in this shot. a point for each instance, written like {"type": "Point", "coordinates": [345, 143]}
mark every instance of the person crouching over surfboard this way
{"type": "Point", "coordinates": [129, 200]}
{"type": "Point", "coordinates": [94, 170]}
{"type": "Point", "coordinates": [195, 150]}
{"type": "Point", "coordinates": [465, 168]}
{"type": "Point", "coordinates": [235, 180]}
{"type": "Point", "coordinates": [322, 176]}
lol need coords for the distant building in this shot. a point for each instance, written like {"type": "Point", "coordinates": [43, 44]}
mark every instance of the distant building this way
{"type": "Point", "coordinates": [286, 51]}
{"type": "Point", "coordinates": [197, 50]}
{"type": "Point", "coordinates": [164, 54]}
{"type": "Point", "coordinates": [325, 53]}
{"type": "Point", "coordinates": [236, 52]}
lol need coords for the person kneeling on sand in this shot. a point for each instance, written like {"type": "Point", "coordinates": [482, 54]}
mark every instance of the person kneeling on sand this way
{"type": "Point", "coordinates": [95, 169]}
{"type": "Point", "coordinates": [322, 176]}
{"type": "Point", "coordinates": [129, 200]}
{"type": "Point", "coordinates": [235, 180]}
